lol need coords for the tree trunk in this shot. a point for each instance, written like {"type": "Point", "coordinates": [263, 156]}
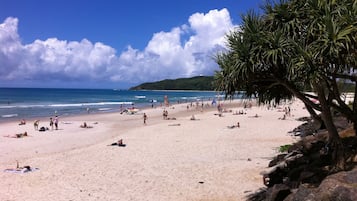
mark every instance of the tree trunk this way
{"type": "Point", "coordinates": [335, 143]}
{"type": "Point", "coordinates": [354, 109]}
{"type": "Point", "coordinates": [313, 114]}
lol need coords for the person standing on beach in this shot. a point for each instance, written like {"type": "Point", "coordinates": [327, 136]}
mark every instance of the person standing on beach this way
{"type": "Point", "coordinates": [145, 118]}
{"type": "Point", "coordinates": [51, 123]}
{"type": "Point", "coordinates": [56, 122]}
{"type": "Point", "coordinates": [36, 124]}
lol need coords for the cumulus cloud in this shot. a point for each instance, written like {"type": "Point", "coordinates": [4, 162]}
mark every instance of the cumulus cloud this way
{"type": "Point", "coordinates": [184, 51]}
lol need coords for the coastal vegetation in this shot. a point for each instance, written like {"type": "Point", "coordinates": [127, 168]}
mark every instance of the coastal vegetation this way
{"type": "Point", "coordinates": [296, 45]}
{"type": "Point", "coordinates": [202, 83]}
{"type": "Point", "coordinates": [284, 148]}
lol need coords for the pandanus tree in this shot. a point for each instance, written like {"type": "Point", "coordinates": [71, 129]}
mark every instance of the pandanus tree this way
{"type": "Point", "coordinates": [292, 46]}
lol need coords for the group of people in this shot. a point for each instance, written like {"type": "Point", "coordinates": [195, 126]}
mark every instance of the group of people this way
{"type": "Point", "coordinates": [53, 122]}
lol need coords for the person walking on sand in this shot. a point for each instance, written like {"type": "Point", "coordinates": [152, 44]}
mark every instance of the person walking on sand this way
{"type": "Point", "coordinates": [35, 124]}
{"type": "Point", "coordinates": [51, 123]}
{"type": "Point", "coordinates": [145, 118]}
{"type": "Point", "coordinates": [56, 122]}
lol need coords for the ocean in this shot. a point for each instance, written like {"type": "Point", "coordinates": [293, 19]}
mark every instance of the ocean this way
{"type": "Point", "coordinates": [29, 103]}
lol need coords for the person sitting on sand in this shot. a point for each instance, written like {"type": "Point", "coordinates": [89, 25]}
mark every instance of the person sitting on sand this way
{"type": "Point", "coordinates": [85, 125]}
{"type": "Point", "coordinates": [255, 116]}
{"type": "Point", "coordinates": [22, 122]}
{"type": "Point", "coordinates": [18, 135]}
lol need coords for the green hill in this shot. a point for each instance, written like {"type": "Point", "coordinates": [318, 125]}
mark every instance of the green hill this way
{"type": "Point", "coordinates": [202, 83]}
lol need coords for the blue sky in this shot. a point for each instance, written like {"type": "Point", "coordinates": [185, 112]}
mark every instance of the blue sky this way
{"type": "Point", "coordinates": [112, 43]}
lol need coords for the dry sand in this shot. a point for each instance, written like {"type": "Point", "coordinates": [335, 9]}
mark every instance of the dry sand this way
{"type": "Point", "coordinates": [164, 160]}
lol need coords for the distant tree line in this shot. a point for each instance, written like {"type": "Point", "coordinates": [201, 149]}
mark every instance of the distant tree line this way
{"type": "Point", "coordinates": [202, 83]}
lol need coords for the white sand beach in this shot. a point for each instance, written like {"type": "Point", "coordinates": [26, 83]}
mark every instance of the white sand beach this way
{"type": "Point", "coordinates": [172, 160]}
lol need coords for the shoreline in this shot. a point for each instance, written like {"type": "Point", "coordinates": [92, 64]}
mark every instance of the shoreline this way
{"type": "Point", "coordinates": [156, 155]}
{"type": "Point", "coordinates": [140, 106]}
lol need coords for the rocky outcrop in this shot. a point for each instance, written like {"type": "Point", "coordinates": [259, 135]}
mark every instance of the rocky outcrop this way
{"type": "Point", "coordinates": [303, 173]}
{"type": "Point", "coordinates": [339, 186]}
{"type": "Point", "coordinates": [305, 162]}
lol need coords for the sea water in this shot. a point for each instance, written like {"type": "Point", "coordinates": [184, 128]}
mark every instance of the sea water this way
{"type": "Point", "coordinates": [25, 103]}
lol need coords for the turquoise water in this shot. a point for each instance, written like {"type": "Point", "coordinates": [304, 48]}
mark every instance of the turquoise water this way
{"type": "Point", "coordinates": [24, 103]}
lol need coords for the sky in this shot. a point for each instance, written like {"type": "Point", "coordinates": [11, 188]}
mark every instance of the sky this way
{"type": "Point", "coordinates": [112, 43]}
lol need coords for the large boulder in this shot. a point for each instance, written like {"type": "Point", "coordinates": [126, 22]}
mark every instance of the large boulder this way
{"type": "Point", "coordinates": [278, 192]}
{"type": "Point", "coordinates": [339, 186]}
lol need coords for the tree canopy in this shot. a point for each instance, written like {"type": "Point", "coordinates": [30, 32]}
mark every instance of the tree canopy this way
{"type": "Point", "coordinates": [294, 45]}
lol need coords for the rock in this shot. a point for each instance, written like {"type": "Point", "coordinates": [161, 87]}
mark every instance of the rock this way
{"type": "Point", "coordinates": [301, 173]}
{"type": "Point", "coordinates": [278, 192]}
{"type": "Point", "coordinates": [300, 194]}
{"type": "Point", "coordinates": [276, 160]}
{"type": "Point", "coordinates": [339, 186]}
{"type": "Point", "coordinates": [348, 132]}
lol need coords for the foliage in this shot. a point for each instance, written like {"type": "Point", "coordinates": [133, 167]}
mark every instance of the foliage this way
{"type": "Point", "coordinates": [295, 45]}
{"type": "Point", "coordinates": [203, 83]}
{"type": "Point", "coordinates": [284, 148]}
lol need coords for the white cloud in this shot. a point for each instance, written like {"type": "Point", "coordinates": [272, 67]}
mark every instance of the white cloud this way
{"type": "Point", "coordinates": [10, 47]}
{"type": "Point", "coordinates": [210, 29]}
{"type": "Point", "coordinates": [167, 54]}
